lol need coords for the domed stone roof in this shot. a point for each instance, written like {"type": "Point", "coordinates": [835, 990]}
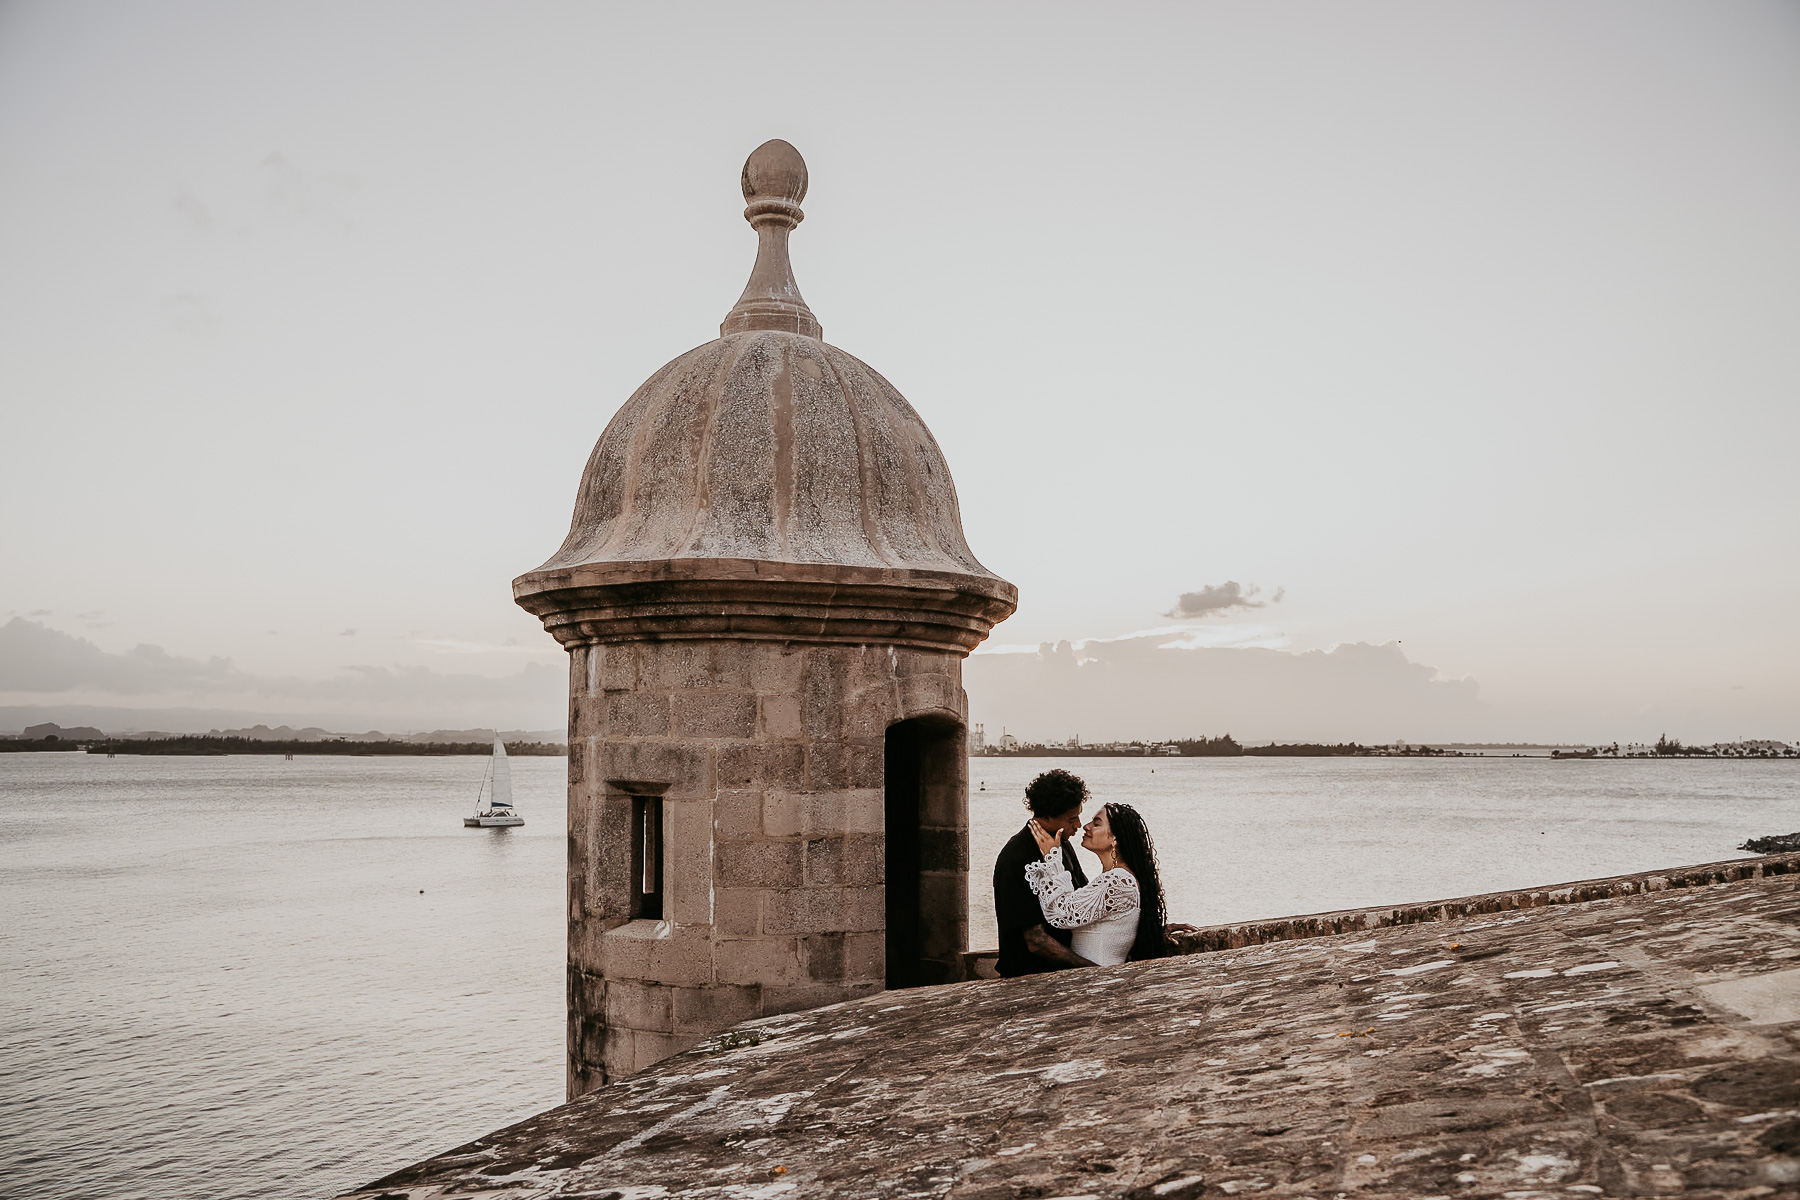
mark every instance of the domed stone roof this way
{"type": "Point", "coordinates": [768, 455]}
{"type": "Point", "coordinates": [770, 446]}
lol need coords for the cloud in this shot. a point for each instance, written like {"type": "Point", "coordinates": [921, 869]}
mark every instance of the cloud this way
{"type": "Point", "coordinates": [305, 195]}
{"type": "Point", "coordinates": [346, 633]}
{"type": "Point", "coordinates": [445, 645]}
{"type": "Point", "coordinates": [1218, 599]}
{"type": "Point", "coordinates": [192, 212]}
{"type": "Point", "coordinates": [1180, 637]}
{"type": "Point", "coordinates": [92, 620]}
{"type": "Point", "coordinates": [1150, 687]}
{"type": "Point", "coordinates": [38, 662]}
{"type": "Point", "coordinates": [37, 658]}
{"type": "Point", "coordinates": [190, 313]}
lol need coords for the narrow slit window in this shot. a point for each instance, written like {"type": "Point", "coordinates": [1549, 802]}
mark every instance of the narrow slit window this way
{"type": "Point", "coordinates": [646, 858]}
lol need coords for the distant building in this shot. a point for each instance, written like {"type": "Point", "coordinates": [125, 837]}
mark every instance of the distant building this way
{"type": "Point", "coordinates": [977, 740]}
{"type": "Point", "coordinates": [1008, 741]}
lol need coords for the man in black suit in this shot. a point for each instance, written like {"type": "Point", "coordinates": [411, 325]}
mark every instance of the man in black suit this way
{"type": "Point", "coordinates": [1028, 946]}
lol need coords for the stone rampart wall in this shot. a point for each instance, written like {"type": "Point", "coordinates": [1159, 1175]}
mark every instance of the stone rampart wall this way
{"type": "Point", "coordinates": [1643, 1044]}
{"type": "Point", "coordinates": [1286, 929]}
{"type": "Point", "coordinates": [979, 964]}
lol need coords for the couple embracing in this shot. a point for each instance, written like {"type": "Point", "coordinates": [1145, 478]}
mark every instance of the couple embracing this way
{"type": "Point", "coordinates": [1051, 916]}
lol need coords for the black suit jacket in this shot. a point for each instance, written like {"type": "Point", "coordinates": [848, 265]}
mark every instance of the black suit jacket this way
{"type": "Point", "coordinates": [1016, 907]}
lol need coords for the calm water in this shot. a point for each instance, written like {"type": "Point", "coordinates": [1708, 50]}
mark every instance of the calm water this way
{"type": "Point", "coordinates": [1243, 838]}
{"type": "Point", "coordinates": [238, 977]}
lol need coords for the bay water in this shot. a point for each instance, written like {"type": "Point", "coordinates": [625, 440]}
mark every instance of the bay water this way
{"type": "Point", "coordinates": [253, 977]}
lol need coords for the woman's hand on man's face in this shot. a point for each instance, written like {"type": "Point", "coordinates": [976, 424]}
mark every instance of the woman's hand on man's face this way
{"type": "Point", "coordinates": [1046, 842]}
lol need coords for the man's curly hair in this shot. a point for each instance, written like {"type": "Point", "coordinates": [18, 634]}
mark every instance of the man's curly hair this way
{"type": "Point", "coordinates": [1054, 793]}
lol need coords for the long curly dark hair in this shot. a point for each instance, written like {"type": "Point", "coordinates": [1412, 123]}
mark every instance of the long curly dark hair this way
{"type": "Point", "coordinates": [1137, 853]}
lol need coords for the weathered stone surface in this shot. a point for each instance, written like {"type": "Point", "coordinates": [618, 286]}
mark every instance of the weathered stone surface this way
{"type": "Point", "coordinates": [1251, 933]}
{"type": "Point", "coordinates": [768, 836]}
{"type": "Point", "coordinates": [1584, 1048]}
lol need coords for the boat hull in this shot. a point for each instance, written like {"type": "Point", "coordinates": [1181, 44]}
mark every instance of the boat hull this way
{"type": "Point", "coordinates": [492, 822]}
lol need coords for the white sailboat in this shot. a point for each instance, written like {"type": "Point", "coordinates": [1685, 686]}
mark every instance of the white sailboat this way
{"type": "Point", "coordinates": [497, 786]}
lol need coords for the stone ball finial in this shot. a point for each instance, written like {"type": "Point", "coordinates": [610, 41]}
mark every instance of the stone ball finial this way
{"type": "Point", "coordinates": [774, 180]}
{"type": "Point", "coordinates": [774, 171]}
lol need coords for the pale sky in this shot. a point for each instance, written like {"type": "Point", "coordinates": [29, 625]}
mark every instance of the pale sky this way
{"type": "Point", "coordinates": [1474, 329]}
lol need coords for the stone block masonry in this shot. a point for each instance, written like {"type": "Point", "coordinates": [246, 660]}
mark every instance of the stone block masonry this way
{"type": "Point", "coordinates": [773, 893]}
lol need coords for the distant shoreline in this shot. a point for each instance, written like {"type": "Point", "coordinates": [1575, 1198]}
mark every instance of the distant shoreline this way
{"type": "Point", "coordinates": [210, 746]}
{"type": "Point", "coordinates": [1294, 750]}
{"type": "Point", "coordinates": [1380, 752]}
{"type": "Point", "coordinates": [1226, 746]}
{"type": "Point", "coordinates": [214, 747]}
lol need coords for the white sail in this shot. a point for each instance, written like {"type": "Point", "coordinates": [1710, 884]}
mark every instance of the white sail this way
{"type": "Point", "coordinates": [502, 777]}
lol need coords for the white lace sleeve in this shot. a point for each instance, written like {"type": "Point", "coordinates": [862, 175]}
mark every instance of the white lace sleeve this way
{"type": "Point", "coordinates": [1068, 907]}
{"type": "Point", "coordinates": [1048, 879]}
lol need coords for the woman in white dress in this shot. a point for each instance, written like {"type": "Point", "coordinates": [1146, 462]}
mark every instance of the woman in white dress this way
{"type": "Point", "coordinates": [1119, 915]}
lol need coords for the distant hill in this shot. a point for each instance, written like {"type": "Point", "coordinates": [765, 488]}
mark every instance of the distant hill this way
{"type": "Point", "coordinates": [49, 729]}
{"type": "Point", "coordinates": [262, 732]}
{"type": "Point", "coordinates": [508, 736]}
{"type": "Point", "coordinates": [201, 744]}
{"type": "Point", "coordinates": [147, 723]}
{"type": "Point", "coordinates": [312, 733]}
{"type": "Point", "coordinates": [285, 733]}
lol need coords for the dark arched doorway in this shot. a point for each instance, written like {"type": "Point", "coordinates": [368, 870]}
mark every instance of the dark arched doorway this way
{"type": "Point", "coordinates": [927, 851]}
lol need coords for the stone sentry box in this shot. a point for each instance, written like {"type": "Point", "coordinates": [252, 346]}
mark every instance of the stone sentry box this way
{"type": "Point", "coordinates": [766, 597]}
